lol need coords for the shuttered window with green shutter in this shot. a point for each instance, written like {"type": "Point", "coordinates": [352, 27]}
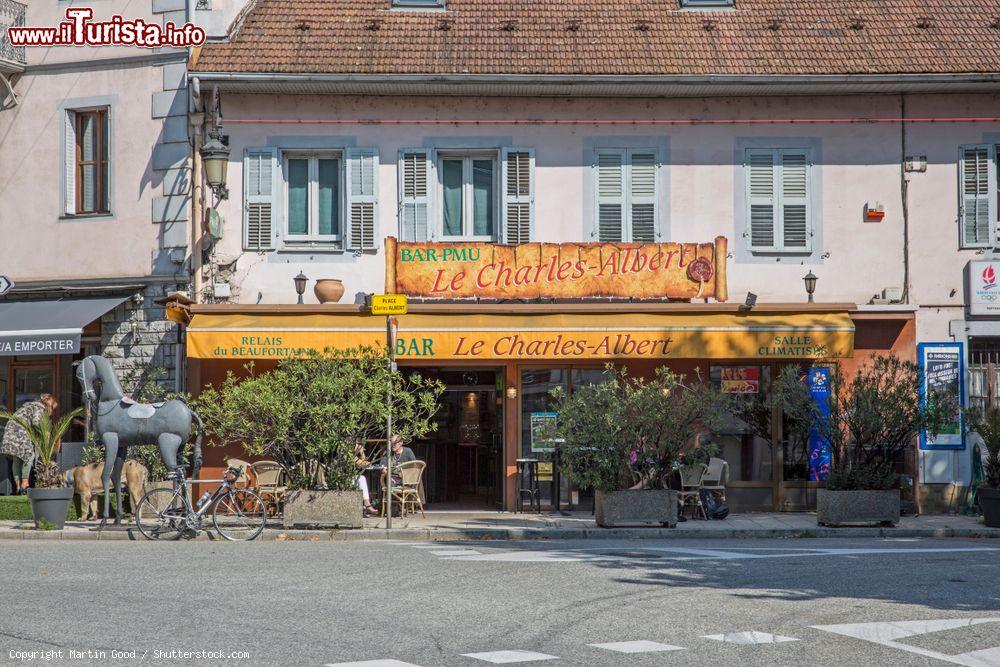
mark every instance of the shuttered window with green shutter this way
{"type": "Point", "coordinates": [627, 193]}
{"type": "Point", "coordinates": [977, 173]}
{"type": "Point", "coordinates": [778, 187]}
{"type": "Point", "coordinates": [362, 205]}
{"type": "Point", "coordinates": [259, 167]}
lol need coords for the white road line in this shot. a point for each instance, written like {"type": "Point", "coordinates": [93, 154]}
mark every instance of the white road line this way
{"type": "Point", "coordinates": [456, 552]}
{"type": "Point", "coordinates": [888, 634]}
{"type": "Point", "coordinates": [372, 663]}
{"type": "Point", "coordinates": [510, 657]}
{"type": "Point", "coordinates": [640, 646]}
{"type": "Point", "coordinates": [750, 637]}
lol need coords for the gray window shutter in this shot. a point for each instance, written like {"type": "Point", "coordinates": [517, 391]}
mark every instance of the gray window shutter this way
{"type": "Point", "coordinates": [260, 166]}
{"type": "Point", "coordinates": [362, 204]}
{"type": "Point", "coordinates": [978, 178]}
{"type": "Point", "coordinates": [69, 162]}
{"type": "Point", "coordinates": [518, 184]}
{"type": "Point", "coordinates": [642, 196]}
{"type": "Point", "coordinates": [414, 194]}
{"type": "Point", "coordinates": [761, 200]}
{"type": "Point", "coordinates": [794, 224]}
{"type": "Point", "coordinates": [610, 180]}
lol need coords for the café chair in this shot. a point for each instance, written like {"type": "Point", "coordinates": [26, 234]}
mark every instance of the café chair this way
{"type": "Point", "coordinates": [408, 493]}
{"type": "Point", "coordinates": [716, 477]}
{"type": "Point", "coordinates": [690, 493]}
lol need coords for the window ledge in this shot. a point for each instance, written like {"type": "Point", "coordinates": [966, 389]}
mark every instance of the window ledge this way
{"type": "Point", "coordinates": [86, 216]}
{"type": "Point", "coordinates": [781, 253]}
{"type": "Point", "coordinates": [311, 247]}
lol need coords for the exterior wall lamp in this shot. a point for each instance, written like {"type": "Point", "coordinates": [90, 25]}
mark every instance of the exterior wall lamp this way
{"type": "Point", "coordinates": [300, 285]}
{"type": "Point", "coordinates": [215, 156]}
{"type": "Point", "coordinates": [810, 280]}
{"type": "Point", "coordinates": [511, 393]}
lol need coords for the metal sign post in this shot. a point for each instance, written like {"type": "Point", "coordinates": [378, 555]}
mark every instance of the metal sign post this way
{"type": "Point", "coordinates": [6, 285]}
{"type": "Point", "coordinates": [389, 305]}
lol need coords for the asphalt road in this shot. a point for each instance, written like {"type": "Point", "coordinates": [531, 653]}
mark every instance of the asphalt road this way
{"type": "Point", "coordinates": [894, 602]}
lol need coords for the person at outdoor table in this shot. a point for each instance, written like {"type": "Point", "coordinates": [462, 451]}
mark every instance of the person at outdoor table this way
{"type": "Point", "coordinates": [17, 445]}
{"type": "Point", "coordinates": [400, 454]}
{"type": "Point", "coordinates": [361, 461]}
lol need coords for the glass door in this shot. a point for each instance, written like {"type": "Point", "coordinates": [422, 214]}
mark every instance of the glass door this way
{"type": "Point", "coordinates": [31, 382]}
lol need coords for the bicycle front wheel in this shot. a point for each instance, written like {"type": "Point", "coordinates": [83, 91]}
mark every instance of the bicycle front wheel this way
{"type": "Point", "coordinates": [239, 515]}
{"type": "Point", "coordinates": [160, 514]}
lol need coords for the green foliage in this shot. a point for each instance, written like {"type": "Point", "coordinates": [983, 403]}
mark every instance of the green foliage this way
{"type": "Point", "coordinates": [45, 437]}
{"type": "Point", "coordinates": [147, 455]}
{"type": "Point", "coordinates": [18, 508]}
{"type": "Point", "coordinates": [44, 524]}
{"type": "Point", "coordinates": [627, 431]}
{"type": "Point", "coordinates": [318, 408]}
{"type": "Point", "coordinates": [874, 417]}
{"type": "Point", "coordinates": [986, 423]}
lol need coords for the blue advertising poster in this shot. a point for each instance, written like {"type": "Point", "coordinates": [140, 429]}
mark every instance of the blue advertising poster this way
{"type": "Point", "coordinates": [943, 368]}
{"type": "Point", "coordinates": [819, 447]}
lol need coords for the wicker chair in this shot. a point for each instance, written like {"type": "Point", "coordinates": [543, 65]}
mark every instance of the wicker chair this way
{"type": "Point", "coordinates": [408, 494]}
{"type": "Point", "coordinates": [716, 477]}
{"type": "Point", "coordinates": [246, 472]}
{"type": "Point", "coordinates": [690, 493]}
{"type": "Point", "coordinates": [270, 484]}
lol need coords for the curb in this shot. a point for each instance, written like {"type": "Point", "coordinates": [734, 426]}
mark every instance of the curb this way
{"type": "Point", "coordinates": [519, 534]}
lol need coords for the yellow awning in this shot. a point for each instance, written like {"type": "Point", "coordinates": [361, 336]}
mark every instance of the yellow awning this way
{"type": "Point", "coordinates": [564, 336]}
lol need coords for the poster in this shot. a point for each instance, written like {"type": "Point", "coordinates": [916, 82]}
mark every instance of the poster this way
{"type": "Point", "coordinates": [943, 367]}
{"type": "Point", "coordinates": [740, 379]}
{"type": "Point", "coordinates": [984, 288]}
{"type": "Point", "coordinates": [539, 421]}
{"type": "Point", "coordinates": [819, 446]}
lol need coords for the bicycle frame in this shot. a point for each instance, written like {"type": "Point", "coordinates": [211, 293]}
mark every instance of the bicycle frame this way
{"type": "Point", "coordinates": [186, 484]}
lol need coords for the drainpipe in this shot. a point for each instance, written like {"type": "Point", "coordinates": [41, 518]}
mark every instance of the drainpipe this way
{"type": "Point", "coordinates": [904, 193]}
{"type": "Point", "coordinates": [196, 208]}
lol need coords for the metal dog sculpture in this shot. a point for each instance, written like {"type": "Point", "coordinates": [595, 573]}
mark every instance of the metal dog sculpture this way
{"type": "Point", "coordinates": [119, 422]}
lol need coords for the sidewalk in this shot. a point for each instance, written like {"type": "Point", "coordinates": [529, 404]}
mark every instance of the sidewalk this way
{"type": "Point", "coordinates": [457, 526]}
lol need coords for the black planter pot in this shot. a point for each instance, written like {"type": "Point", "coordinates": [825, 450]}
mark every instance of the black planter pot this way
{"type": "Point", "coordinates": [989, 503]}
{"type": "Point", "coordinates": [50, 504]}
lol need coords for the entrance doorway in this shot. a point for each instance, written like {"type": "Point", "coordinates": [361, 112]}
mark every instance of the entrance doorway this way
{"type": "Point", "coordinates": [465, 454]}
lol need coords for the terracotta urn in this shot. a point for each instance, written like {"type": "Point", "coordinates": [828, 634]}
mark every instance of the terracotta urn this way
{"type": "Point", "coordinates": [328, 290]}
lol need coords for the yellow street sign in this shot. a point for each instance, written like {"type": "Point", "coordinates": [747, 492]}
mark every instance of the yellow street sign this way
{"type": "Point", "coordinates": [388, 304]}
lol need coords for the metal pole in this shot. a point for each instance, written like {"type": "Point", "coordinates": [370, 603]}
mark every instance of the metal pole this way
{"type": "Point", "coordinates": [388, 427]}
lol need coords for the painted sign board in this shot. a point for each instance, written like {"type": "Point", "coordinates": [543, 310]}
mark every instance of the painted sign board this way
{"type": "Point", "coordinates": [740, 379]}
{"type": "Point", "coordinates": [984, 287]}
{"type": "Point", "coordinates": [540, 423]}
{"type": "Point", "coordinates": [820, 454]}
{"type": "Point", "coordinates": [388, 304]}
{"type": "Point", "coordinates": [557, 270]}
{"type": "Point", "coordinates": [6, 285]}
{"type": "Point", "coordinates": [28, 343]}
{"type": "Point", "coordinates": [943, 369]}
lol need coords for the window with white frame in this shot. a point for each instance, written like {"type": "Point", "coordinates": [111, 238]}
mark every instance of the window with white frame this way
{"type": "Point", "coordinates": [978, 185]}
{"type": "Point", "coordinates": [313, 186]}
{"type": "Point", "coordinates": [778, 188]}
{"type": "Point", "coordinates": [627, 193]}
{"type": "Point", "coordinates": [468, 189]}
{"type": "Point", "coordinates": [88, 161]}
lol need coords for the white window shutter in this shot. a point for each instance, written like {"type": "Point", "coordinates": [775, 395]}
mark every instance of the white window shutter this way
{"type": "Point", "coordinates": [977, 174]}
{"type": "Point", "coordinates": [518, 183]}
{"type": "Point", "coordinates": [611, 190]}
{"type": "Point", "coordinates": [761, 199]}
{"type": "Point", "coordinates": [414, 194]}
{"type": "Point", "coordinates": [642, 196]}
{"type": "Point", "coordinates": [259, 207]}
{"type": "Point", "coordinates": [362, 202]}
{"type": "Point", "coordinates": [796, 233]}
{"type": "Point", "coordinates": [69, 163]}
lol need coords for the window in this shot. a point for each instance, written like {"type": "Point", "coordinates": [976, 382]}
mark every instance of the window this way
{"type": "Point", "coordinates": [88, 162]}
{"type": "Point", "coordinates": [708, 3]}
{"type": "Point", "coordinates": [428, 4]}
{"type": "Point", "coordinates": [314, 204]}
{"type": "Point", "coordinates": [468, 197]}
{"type": "Point", "coordinates": [778, 208]}
{"type": "Point", "coordinates": [626, 186]}
{"type": "Point", "coordinates": [978, 192]}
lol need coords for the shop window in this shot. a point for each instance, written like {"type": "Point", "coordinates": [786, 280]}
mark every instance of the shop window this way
{"type": "Point", "coordinates": [626, 189]}
{"type": "Point", "coordinates": [313, 198]}
{"type": "Point", "coordinates": [778, 193]}
{"type": "Point", "coordinates": [978, 187]}
{"type": "Point", "coordinates": [88, 172]}
{"type": "Point", "coordinates": [746, 441]}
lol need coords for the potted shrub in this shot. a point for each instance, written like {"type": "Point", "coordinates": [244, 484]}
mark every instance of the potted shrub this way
{"type": "Point", "coordinates": [314, 409]}
{"type": "Point", "coordinates": [624, 437]}
{"type": "Point", "coordinates": [873, 418]}
{"type": "Point", "coordinates": [51, 495]}
{"type": "Point", "coordinates": [987, 425]}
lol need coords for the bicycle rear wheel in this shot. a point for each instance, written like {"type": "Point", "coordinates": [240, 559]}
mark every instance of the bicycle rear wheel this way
{"type": "Point", "coordinates": [160, 514]}
{"type": "Point", "coordinates": [239, 515]}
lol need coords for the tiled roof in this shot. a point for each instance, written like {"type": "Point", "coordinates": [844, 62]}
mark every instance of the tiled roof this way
{"type": "Point", "coordinates": [614, 37]}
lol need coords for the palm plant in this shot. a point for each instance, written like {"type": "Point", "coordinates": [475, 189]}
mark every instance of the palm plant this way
{"type": "Point", "coordinates": [45, 437]}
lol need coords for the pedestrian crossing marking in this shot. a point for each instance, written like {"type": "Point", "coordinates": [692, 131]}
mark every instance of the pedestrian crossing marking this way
{"type": "Point", "coordinates": [373, 663]}
{"type": "Point", "coordinates": [749, 638]}
{"type": "Point", "coordinates": [889, 634]}
{"type": "Point", "coordinates": [510, 657]}
{"type": "Point", "coordinates": [640, 646]}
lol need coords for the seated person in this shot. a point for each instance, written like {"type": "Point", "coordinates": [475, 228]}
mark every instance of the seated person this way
{"type": "Point", "coordinates": [361, 461]}
{"type": "Point", "coordinates": [400, 454]}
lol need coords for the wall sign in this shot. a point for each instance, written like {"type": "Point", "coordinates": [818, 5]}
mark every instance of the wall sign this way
{"type": "Point", "coordinates": [984, 287]}
{"type": "Point", "coordinates": [943, 366]}
{"type": "Point", "coordinates": [540, 422]}
{"type": "Point", "coordinates": [740, 379]}
{"type": "Point", "coordinates": [29, 343]}
{"type": "Point", "coordinates": [819, 447]}
{"type": "Point", "coordinates": [557, 270]}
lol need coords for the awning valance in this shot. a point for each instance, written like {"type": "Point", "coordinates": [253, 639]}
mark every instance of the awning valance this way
{"type": "Point", "coordinates": [49, 327]}
{"type": "Point", "coordinates": [558, 336]}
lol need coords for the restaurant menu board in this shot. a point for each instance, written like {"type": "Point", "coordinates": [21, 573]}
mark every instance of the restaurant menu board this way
{"type": "Point", "coordinates": [539, 424]}
{"type": "Point", "coordinates": [943, 367]}
{"type": "Point", "coordinates": [740, 379]}
{"type": "Point", "coordinates": [819, 447]}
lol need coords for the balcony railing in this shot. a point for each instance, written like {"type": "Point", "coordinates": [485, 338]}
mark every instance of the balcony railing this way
{"type": "Point", "coordinates": [11, 15]}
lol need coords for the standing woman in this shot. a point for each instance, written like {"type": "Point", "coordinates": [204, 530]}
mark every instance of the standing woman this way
{"type": "Point", "coordinates": [17, 445]}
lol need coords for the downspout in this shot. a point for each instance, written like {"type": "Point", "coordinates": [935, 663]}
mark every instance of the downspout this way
{"type": "Point", "coordinates": [196, 213]}
{"type": "Point", "coordinates": [904, 188]}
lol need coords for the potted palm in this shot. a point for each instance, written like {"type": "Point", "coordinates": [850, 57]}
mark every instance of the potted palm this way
{"type": "Point", "coordinates": [51, 494]}
{"type": "Point", "coordinates": [624, 437]}
{"type": "Point", "coordinates": [986, 424]}
{"type": "Point", "coordinates": [871, 419]}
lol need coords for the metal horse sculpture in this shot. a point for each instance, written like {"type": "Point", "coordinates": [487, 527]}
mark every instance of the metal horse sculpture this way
{"type": "Point", "coordinates": [119, 422]}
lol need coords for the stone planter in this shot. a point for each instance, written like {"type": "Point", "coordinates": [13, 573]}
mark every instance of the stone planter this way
{"type": "Point", "coordinates": [843, 508]}
{"type": "Point", "coordinates": [50, 504]}
{"type": "Point", "coordinates": [328, 290]}
{"type": "Point", "coordinates": [322, 509]}
{"type": "Point", "coordinates": [989, 503]}
{"type": "Point", "coordinates": [636, 507]}
{"type": "Point", "coordinates": [149, 487]}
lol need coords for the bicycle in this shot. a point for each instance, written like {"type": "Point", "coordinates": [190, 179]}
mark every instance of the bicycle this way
{"type": "Point", "coordinates": [238, 514]}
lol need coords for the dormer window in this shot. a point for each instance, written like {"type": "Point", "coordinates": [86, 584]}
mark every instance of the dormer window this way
{"type": "Point", "coordinates": [417, 4]}
{"type": "Point", "coordinates": [707, 4]}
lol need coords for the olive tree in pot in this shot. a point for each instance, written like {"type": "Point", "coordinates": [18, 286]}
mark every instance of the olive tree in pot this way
{"type": "Point", "coordinates": [624, 437]}
{"type": "Point", "coordinates": [986, 424]}
{"type": "Point", "coordinates": [873, 418]}
{"type": "Point", "coordinates": [315, 409]}
{"type": "Point", "coordinates": [51, 494]}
